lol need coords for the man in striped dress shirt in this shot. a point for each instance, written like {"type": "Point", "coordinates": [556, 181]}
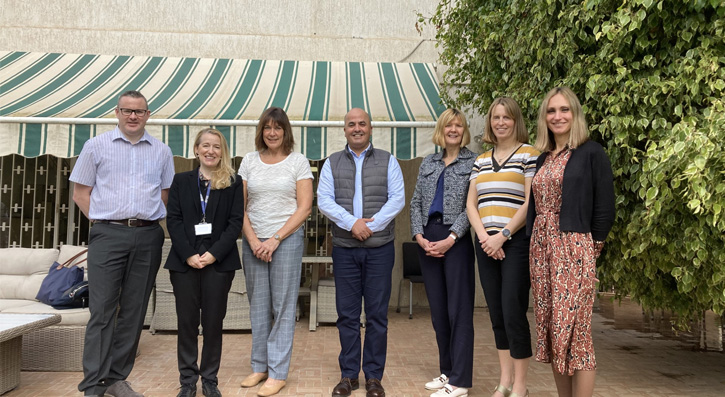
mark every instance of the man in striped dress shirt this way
{"type": "Point", "coordinates": [122, 179]}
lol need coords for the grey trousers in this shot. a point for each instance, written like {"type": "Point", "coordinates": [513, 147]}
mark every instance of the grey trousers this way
{"type": "Point", "coordinates": [122, 266]}
{"type": "Point", "coordinates": [273, 289]}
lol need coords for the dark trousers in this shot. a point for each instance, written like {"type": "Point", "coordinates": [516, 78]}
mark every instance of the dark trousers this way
{"type": "Point", "coordinates": [122, 266]}
{"type": "Point", "coordinates": [363, 272]}
{"type": "Point", "coordinates": [506, 285]}
{"type": "Point", "coordinates": [450, 286]}
{"type": "Point", "coordinates": [194, 290]}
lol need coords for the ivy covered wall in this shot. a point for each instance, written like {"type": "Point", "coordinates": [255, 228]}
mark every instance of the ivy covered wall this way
{"type": "Point", "coordinates": [651, 77]}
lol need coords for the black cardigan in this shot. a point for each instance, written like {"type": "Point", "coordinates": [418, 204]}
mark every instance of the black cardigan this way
{"type": "Point", "coordinates": [587, 203]}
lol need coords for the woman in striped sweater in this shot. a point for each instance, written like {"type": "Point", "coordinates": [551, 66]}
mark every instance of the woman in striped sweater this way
{"type": "Point", "coordinates": [497, 202]}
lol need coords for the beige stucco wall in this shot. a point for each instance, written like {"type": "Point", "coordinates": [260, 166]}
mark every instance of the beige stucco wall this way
{"type": "Point", "coordinates": [373, 30]}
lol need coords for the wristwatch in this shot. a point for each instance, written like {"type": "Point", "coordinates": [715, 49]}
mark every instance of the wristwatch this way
{"type": "Point", "coordinates": [278, 237]}
{"type": "Point", "coordinates": [453, 236]}
{"type": "Point", "coordinates": [506, 233]}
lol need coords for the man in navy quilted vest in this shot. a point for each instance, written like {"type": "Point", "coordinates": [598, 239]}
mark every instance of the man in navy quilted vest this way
{"type": "Point", "coordinates": [361, 191]}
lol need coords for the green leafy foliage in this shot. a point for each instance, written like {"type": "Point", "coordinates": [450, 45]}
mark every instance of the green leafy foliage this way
{"type": "Point", "coordinates": [651, 77]}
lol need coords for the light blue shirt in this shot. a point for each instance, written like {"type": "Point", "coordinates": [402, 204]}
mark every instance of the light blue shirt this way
{"type": "Point", "coordinates": [329, 207]}
{"type": "Point", "coordinates": [126, 178]}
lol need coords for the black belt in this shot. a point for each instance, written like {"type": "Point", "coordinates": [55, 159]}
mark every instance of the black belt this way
{"type": "Point", "coordinates": [129, 222]}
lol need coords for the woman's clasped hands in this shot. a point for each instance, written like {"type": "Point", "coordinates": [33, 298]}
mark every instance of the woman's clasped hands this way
{"type": "Point", "coordinates": [263, 250]}
{"type": "Point", "coordinates": [491, 245]}
{"type": "Point", "coordinates": [200, 261]}
{"type": "Point", "coordinates": [435, 249]}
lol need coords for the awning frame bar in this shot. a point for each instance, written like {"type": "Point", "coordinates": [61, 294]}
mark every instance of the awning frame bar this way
{"type": "Point", "coordinates": [209, 122]}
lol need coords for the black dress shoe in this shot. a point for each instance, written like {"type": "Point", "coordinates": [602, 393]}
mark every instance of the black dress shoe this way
{"type": "Point", "coordinates": [209, 389]}
{"type": "Point", "coordinates": [345, 387]}
{"type": "Point", "coordinates": [187, 390]}
{"type": "Point", "coordinates": [374, 388]}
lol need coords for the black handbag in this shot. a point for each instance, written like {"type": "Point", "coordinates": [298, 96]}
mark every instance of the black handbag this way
{"type": "Point", "coordinates": [60, 279]}
{"type": "Point", "coordinates": [74, 297]}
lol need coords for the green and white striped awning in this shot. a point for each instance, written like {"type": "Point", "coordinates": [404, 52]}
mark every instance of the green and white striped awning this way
{"type": "Point", "coordinates": [52, 103]}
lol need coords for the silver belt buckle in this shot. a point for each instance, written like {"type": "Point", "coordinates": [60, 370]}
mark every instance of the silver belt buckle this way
{"type": "Point", "coordinates": [131, 222]}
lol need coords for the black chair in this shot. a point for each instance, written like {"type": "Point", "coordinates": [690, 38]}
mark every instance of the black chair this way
{"type": "Point", "coordinates": [411, 272]}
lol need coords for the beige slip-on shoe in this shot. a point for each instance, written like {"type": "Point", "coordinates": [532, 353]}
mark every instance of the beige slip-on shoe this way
{"type": "Point", "coordinates": [253, 379]}
{"type": "Point", "coordinates": [270, 390]}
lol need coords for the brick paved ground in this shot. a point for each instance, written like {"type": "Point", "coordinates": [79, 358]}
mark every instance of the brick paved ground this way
{"type": "Point", "coordinates": [630, 364]}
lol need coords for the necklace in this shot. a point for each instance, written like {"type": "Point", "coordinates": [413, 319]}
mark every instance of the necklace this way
{"type": "Point", "coordinates": [502, 159]}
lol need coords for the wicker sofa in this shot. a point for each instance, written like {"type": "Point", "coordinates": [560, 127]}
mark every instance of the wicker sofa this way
{"type": "Point", "coordinates": [55, 348]}
{"type": "Point", "coordinates": [164, 310]}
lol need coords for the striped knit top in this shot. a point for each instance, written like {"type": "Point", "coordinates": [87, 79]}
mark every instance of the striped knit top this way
{"type": "Point", "coordinates": [501, 187]}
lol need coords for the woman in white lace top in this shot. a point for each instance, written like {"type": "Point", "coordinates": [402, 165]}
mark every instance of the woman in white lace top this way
{"type": "Point", "coordinates": [278, 196]}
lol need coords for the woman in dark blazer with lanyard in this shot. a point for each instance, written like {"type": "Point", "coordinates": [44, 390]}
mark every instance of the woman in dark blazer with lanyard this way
{"type": "Point", "coordinates": [205, 215]}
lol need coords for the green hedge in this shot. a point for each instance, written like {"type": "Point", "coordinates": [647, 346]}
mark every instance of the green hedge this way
{"type": "Point", "coordinates": [651, 77]}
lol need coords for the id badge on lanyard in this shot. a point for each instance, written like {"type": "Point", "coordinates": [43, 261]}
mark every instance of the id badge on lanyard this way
{"type": "Point", "coordinates": [203, 228]}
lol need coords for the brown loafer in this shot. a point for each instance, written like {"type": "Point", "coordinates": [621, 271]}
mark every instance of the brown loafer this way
{"type": "Point", "coordinates": [345, 387]}
{"type": "Point", "coordinates": [374, 388]}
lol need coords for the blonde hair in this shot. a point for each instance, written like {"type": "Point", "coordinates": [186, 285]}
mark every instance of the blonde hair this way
{"type": "Point", "coordinates": [579, 132]}
{"type": "Point", "coordinates": [223, 175]}
{"type": "Point", "coordinates": [512, 110]}
{"type": "Point", "coordinates": [443, 120]}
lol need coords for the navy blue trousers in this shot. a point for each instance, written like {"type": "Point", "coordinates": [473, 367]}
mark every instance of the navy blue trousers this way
{"type": "Point", "coordinates": [363, 272]}
{"type": "Point", "coordinates": [506, 284]}
{"type": "Point", "coordinates": [450, 286]}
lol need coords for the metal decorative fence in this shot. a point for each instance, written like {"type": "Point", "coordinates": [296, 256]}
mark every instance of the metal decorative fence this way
{"type": "Point", "coordinates": [37, 208]}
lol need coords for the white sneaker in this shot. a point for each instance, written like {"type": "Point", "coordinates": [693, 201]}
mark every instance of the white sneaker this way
{"type": "Point", "coordinates": [449, 391]}
{"type": "Point", "coordinates": [437, 383]}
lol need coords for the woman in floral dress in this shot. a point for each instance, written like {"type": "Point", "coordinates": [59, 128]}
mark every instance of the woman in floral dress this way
{"type": "Point", "coordinates": [571, 210]}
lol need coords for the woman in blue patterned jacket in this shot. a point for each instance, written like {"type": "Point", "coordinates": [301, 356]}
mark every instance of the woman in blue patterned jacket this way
{"type": "Point", "coordinates": [439, 224]}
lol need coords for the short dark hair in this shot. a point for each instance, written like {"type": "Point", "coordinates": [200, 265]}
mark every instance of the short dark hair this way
{"type": "Point", "coordinates": [276, 116]}
{"type": "Point", "coordinates": [132, 94]}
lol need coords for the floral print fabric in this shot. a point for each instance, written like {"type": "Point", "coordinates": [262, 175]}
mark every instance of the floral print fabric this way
{"type": "Point", "coordinates": [563, 277]}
